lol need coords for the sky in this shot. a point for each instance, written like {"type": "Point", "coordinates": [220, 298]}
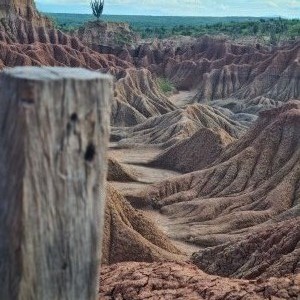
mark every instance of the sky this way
{"type": "Point", "coordinates": [257, 8]}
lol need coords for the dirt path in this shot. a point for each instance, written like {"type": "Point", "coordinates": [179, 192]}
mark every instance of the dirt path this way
{"type": "Point", "coordinates": [134, 159]}
{"type": "Point", "coordinates": [183, 97]}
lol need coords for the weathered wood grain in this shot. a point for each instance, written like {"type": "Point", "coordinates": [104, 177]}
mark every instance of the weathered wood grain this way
{"type": "Point", "coordinates": [54, 130]}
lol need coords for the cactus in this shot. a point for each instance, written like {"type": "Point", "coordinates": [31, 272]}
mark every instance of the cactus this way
{"type": "Point", "coordinates": [97, 8]}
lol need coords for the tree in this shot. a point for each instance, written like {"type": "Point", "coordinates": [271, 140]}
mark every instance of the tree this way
{"type": "Point", "coordinates": [97, 8]}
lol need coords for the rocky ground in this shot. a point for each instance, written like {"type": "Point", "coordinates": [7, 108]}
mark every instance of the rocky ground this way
{"type": "Point", "coordinates": [203, 180]}
{"type": "Point", "coordinates": [163, 281]}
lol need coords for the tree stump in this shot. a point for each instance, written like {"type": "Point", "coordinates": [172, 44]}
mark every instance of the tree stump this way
{"type": "Point", "coordinates": [54, 125]}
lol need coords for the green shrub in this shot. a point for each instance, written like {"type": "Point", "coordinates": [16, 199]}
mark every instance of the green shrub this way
{"type": "Point", "coordinates": [123, 39]}
{"type": "Point", "coordinates": [165, 85]}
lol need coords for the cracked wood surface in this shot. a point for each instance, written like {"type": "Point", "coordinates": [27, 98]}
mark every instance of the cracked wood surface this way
{"type": "Point", "coordinates": [54, 126]}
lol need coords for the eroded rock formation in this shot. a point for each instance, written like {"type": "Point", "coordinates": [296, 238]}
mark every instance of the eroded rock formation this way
{"type": "Point", "coordinates": [242, 199]}
{"type": "Point", "coordinates": [273, 250]}
{"type": "Point", "coordinates": [130, 236]}
{"type": "Point", "coordinates": [137, 97]}
{"type": "Point", "coordinates": [25, 9]}
{"type": "Point", "coordinates": [194, 153]}
{"type": "Point", "coordinates": [254, 181]}
{"type": "Point", "coordinates": [216, 68]}
{"type": "Point", "coordinates": [221, 69]}
{"type": "Point", "coordinates": [98, 34]}
{"type": "Point", "coordinates": [119, 172]}
{"type": "Point", "coordinates": [177, 125]}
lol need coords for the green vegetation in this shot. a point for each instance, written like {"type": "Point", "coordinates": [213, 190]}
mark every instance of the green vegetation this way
{"type": "Point", "coordinates": [165, 85]}
{"type": "Point", "coordinates": [143, 23]}
{"type": "Point", "coordinates": [97, 8]}
{"type": "Point", "coordinates": [265, 30]}
{"type": "Point", "coordinates": [122, 39]}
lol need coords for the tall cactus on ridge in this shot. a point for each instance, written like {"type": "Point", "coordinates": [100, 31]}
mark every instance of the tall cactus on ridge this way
{"type": "Point", "coordinates": [97, 8]}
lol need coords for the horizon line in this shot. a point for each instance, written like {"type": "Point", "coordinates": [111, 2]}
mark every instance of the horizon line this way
{"type": "Point", "coordinates": [167, 16]}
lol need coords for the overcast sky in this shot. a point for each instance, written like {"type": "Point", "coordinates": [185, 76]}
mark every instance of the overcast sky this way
{"type": "Point", "coordinates": [284, 8]}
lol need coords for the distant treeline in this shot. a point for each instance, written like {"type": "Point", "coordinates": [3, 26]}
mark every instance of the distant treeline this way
{"type": "Point", "coordinates": [141, 23]}
{"type": "Point", "coordinates": [267, 30]}
{"type": "Point", "coordinates": [270, 31]}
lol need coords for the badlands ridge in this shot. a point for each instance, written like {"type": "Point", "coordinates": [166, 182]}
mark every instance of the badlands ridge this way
{"type": "Point", "coordinates": [203, 198]}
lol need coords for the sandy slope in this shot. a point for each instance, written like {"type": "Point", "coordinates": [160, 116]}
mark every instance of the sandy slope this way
{"type": "Point", "coordinates": [135, 158]}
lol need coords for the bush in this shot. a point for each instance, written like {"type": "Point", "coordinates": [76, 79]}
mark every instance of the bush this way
{"type": "Point", "coordinates": [165, 85]}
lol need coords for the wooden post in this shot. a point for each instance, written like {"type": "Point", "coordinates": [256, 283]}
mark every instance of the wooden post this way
{"type": "Point", "coordinates": [54, 131]}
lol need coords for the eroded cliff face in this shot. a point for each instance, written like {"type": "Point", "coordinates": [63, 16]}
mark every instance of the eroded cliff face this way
{"type": "Point", "coordinates": [23, 9]}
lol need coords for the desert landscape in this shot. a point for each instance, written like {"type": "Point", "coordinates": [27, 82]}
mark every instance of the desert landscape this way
{"type": "Point", "coordinates": [203, 180]}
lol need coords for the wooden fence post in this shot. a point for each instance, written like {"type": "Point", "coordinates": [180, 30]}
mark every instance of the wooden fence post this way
{"type": "Point", "coordinates": [54, 131]}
